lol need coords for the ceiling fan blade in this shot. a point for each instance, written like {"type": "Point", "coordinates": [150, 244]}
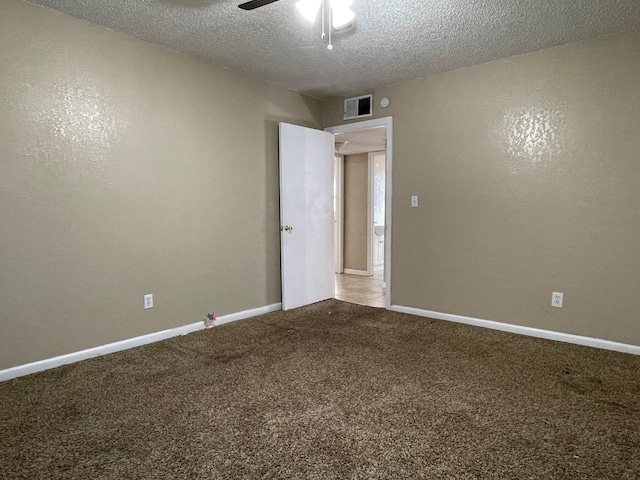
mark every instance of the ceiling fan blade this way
{"type": "Point", "coordinates": [255, 4]}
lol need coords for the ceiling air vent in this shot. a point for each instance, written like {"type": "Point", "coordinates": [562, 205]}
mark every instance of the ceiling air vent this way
{"type": "Point", "coordinates": [358, 107]}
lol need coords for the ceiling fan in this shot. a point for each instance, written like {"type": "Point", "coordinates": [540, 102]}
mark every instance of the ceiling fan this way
{"type": "Point", "coordinates": [340, 14]}
{"type": "Point", "coordinates": [340, 11]}
{"type": "Point", "coordinates": [255, 4]}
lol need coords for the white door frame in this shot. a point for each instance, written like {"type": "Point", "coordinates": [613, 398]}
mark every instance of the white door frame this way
{"type": "Point", "coordinates": [371, 220]}
{"type": "Point", "coordinates": [338, 221]}
{"type": "Point", "coordinates": [388, 123]}
{"type": "Point", "coordinates": [370, 173]}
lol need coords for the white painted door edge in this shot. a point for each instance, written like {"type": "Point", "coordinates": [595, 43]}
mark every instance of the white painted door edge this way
{"type": "Point", "coordinates": [528, 331]}
{"type": "Point", "coordinates": [41, 365]}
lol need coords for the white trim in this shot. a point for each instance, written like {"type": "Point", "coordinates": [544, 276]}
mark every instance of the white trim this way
{"type": "Point", "coordinates": [528, 331]}
{"type": "Point", "coordinates": [54, 362]}
{"type": "Point", "coordinates": [388, 195]}
{"type": "Point", "coordinates": [338, 223]}
{"type": "Point", "coordinates": [370, 214]}
{"type": "Point", "coordinates": [380, 122]}
{"type": "Point", "coordinates": [372, 181]}
{"type": "Point", "coordinates": [350, 127]}
{"type": "Point", "coordinates": [351, 271]}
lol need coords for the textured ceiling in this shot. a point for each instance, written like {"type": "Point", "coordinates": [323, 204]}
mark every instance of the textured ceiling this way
{"type": "Point", "coordinates": [390, 41]}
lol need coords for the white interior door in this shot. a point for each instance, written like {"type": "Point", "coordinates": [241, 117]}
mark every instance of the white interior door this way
{"type": "Point", "coordinates": [306, 215]}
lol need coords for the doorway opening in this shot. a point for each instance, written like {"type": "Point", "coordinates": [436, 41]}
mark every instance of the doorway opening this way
{"type": "Point", "coordinates": [362, 211]}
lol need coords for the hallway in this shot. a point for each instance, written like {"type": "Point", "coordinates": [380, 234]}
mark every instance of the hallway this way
{"type": "Point", "coordinates": [361, 290]}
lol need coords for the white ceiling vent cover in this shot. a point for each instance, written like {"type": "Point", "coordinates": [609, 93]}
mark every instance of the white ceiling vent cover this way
{"type": "Point", "coordinates": [358, 107]}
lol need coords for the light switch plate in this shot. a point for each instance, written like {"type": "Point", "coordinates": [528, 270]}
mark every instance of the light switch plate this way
{"type": "Point", "coordinates": [414, 200]}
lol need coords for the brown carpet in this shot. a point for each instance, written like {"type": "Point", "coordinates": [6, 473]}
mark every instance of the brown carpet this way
{"type": "Point", "coordinates": [330, 391]}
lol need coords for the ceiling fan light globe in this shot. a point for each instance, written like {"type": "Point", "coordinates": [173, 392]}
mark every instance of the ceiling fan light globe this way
{"type": "Point", "coordinates": [309, 9]}
{"type": "Point", "coordinates": [342, 17]}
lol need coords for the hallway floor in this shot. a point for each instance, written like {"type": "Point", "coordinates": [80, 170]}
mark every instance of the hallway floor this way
{"type": "Point", "coordinates": [360, 289]}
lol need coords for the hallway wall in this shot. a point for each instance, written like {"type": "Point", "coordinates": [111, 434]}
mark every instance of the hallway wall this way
{"type": "Point", "coordinates": [356, 179]}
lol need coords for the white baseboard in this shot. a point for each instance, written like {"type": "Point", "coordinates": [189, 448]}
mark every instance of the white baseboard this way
{"type": "Point", "coordinates": [529, 331]}
{"type": "Point", "coordinates": [351, 271]}
{"type": "Point", "coordinates": [54, 362]}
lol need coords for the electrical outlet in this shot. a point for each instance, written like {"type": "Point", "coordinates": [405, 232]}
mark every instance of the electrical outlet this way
{"type": "Point", "coordinates": [148, 300]}
{"type": "Point", "coordinates": [556, 299]}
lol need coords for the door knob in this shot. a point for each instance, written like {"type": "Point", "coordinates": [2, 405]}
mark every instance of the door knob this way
{"type": "Point", "coordinates": [287, 228]}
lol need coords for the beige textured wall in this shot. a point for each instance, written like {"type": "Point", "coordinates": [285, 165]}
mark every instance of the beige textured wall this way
{"type": "Point", "coordinates": [528, 172]}
{"type": "Point", "coordinates": [356, 169]}
{"type": "Point", "coordinates": [128, 169]}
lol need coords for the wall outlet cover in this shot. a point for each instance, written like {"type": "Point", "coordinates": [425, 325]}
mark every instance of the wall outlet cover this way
{"type": "Point", "coordinates": [556, 299]}
{"type": "Point", "coordinates": [148, 300]}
